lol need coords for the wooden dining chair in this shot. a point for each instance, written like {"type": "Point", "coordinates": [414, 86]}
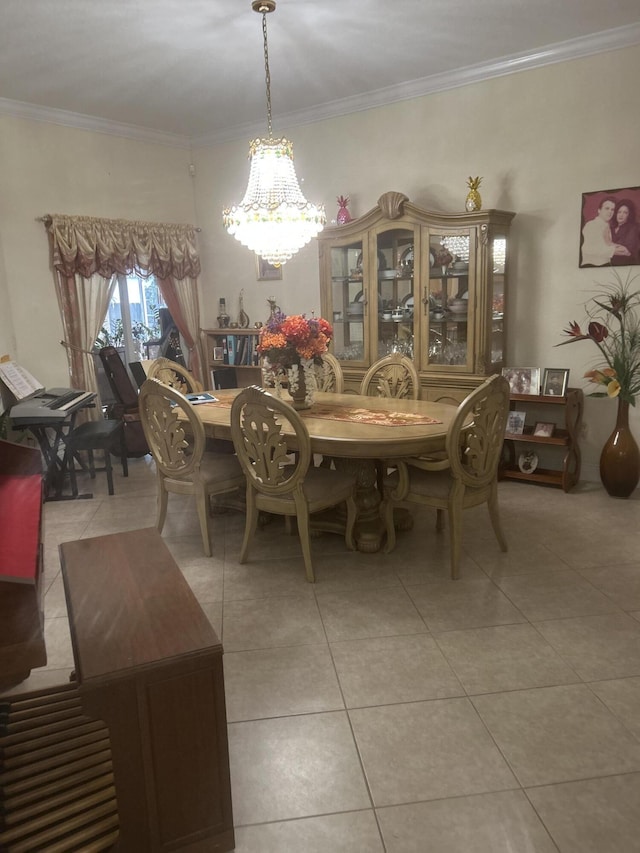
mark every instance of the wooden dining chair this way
{"type": "Point", "coordinates": [182, 465]}
{"type": "Point", "coordinates": [265, 430]}
{"type": "Point", "coordinates": [329, 376]}
{"type": "Point", "coordinates": [394, 375]}
{"type": "Point", "coordinates": [175, 375]}
{"type": "Point", "coordinates": [467, 477]}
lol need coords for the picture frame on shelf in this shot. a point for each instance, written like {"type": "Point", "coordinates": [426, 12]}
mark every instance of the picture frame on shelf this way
{"type": "Point", "coordinates": [544, 428]}
{"type": "Point", "coordinates": [554, 382]}
{"type": "Point", "coordinates": [528, 461]}
{"type": "Point", "coordinates": [266, 271]}
{"type": "Point", "coordinates": [523, 380]}
{"type": "Point", "coordinates": [218, 353]}
{"type": "Point", "coordinates": [515, 423]}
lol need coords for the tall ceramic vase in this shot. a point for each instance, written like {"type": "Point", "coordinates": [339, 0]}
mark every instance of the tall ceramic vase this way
{"type": "Point", "coordinates": [620, 458]}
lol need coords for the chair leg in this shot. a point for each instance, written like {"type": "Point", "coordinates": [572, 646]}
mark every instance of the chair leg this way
{"type": "Point", "coordinates": [92, 465]}
{"type": "Point", "coordinates": [305, 540]}
{"type": "Point", "coordinates": [439, 520]}
{"type": "Point", "coordinates": [250, 525]}
{"type": "Point", "coordinates": [108, 469]}
{"type": "Point", "coordinates": [352, 514]}
{"type": "Point", "coordinates": [455, 537]}
{"type": "Point", "coordinates": [123, 452]}
{"type": "Point", "coordinates": [202, 506]}
{"type": "Point", "coordinates": [163, 499]}
{"type": "Point", "coordinates": [494, 515]}
{"type": "Point", "coordinates": [386, 511]}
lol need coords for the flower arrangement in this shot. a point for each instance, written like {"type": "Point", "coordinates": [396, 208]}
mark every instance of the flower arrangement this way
{"type": "Point", "coordinates": [291, 344]}
{"type": "Point", "coordinates": [619, 344]}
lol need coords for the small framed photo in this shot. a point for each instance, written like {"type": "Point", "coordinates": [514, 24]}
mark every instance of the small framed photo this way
{"type": "Point", "coordinates": [544, 428]}
{"type": "Point", "coordinates": [515, 422]}
{"type": "Point", "coordinates": [266, 271]}
{"type": "Point", "coordinates": [554, 382]}
{"type": "Point", "coordinates": [218, 353]}
{"type": "Point", "coordinates": [522, 380]}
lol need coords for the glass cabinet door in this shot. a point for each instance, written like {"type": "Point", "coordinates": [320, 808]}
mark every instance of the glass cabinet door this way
{"type": "Point", "coordinates": [447, 301]}
{"type": "Point", "coordinates": [395, 296]}
{"type": "Point", "coordinates": [496, 292]}
{"type": "Point", "coordinates": [349, 302]}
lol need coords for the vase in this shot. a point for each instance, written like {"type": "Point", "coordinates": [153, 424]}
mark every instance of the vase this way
{"type": "Point", "coordinates": [620, 457]}
{"type": "Point", "coordinates": [299, 398]}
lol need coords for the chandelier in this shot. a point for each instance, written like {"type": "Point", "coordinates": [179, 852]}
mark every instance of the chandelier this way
{"type": "Point", "coordinates": [273, 219]}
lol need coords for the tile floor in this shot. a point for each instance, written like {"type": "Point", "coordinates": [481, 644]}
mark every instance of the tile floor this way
{"type": "Point", "coordinates": [387, 708]}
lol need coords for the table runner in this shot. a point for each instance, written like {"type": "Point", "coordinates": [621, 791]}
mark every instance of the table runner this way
{"type": "Point", "coordinates": [354, 414]}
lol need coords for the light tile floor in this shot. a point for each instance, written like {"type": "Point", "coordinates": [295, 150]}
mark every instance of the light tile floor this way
{"type": "Point", "coordinates": [387, 708]}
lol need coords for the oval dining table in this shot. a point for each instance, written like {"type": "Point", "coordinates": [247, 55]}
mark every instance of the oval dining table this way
{"type": "Point", "coordinates": [355, 431]}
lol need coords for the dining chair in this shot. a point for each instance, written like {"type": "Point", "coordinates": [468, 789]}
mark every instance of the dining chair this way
{"type": "Point", "coordinates": [329, 376]}
{"type": "Point", "coordinates": [265, 430]}
{"type": "Point", "coordinates": [175, 375]}
{"type": "Point", "coordinates": [393, 375]}
{"type": "Point", "coordinates": [467, 477]}
{"type": "Point", "coordinates": [182, 465]}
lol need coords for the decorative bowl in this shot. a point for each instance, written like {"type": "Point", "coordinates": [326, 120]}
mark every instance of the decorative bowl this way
{"type": "Point", "coordinates": [458, 306]}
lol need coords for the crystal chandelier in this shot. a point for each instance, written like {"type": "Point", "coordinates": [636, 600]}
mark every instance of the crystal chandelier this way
{"type": "Point", "coordinates": [273, 219]}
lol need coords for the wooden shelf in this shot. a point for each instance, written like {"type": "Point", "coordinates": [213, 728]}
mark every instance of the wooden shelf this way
{"type": "Point", "coordinates": [566, 435]}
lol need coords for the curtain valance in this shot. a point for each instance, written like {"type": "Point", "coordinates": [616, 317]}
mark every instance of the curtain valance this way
{"type": "Point", "coordinates": [87, 245]}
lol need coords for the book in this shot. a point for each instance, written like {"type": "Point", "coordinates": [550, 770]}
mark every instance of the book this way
{"type": "Point", "coordinates": [18, 380]}
{"type": "Point", "coordinates": [203, 397]}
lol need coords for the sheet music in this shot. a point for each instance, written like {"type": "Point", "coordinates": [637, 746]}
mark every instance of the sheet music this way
{"type": "Point", "coordinates": [18, 380]}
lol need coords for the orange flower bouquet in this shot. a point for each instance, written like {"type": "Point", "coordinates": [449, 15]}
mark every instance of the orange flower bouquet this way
{"type": "Point", "coordinates": [290, 346]}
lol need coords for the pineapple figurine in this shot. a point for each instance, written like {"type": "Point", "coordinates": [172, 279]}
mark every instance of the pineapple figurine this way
{"type": "Point", "coordinates": [473, 201]}
{"type": "Point", "coordinates": [343, 214]}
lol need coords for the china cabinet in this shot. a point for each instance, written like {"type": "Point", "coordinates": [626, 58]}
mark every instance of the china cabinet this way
{"type": "Point", "coordinates": [429, 285]}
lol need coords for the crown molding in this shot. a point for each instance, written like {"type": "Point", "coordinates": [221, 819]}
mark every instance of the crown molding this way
{"type": "Point", "coordinates": [79, 121]}
{"type": "Point", "coordinates": [614, 39]}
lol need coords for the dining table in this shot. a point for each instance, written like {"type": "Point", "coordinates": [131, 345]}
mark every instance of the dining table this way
{"type": "Point", "coordinates": [355, 431]}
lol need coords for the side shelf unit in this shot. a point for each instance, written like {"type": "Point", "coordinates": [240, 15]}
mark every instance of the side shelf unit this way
{"type": "Point", "coordinates": [566, 413]}
{"type": "Point", "coordinates": [232, 348]}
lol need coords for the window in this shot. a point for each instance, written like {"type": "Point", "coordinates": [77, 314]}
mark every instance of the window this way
{"type": "Point", "coordinates": [132, 321]}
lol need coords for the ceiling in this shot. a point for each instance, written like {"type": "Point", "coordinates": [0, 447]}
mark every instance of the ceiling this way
{"type": "Point", "coordinates": [194, 69]}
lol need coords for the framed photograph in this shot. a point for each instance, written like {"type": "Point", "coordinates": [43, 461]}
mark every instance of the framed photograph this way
{"type": "Point", "coordinates": [554, 382]}
{"type": "Point", "coordinates": [266, 271]}
{"type": "Point", "coordinates": [544, 428]}
{"type": "Point", "coordinates": [515, 422]}
{"type": "Point", "coordinates": [528, 461]}
{"type": "Point", "coordinates": [522, 380]}
{"type": "Point", "coordinates": [218, 353]}
{"type": "Point", "coordinates": [609, 222]}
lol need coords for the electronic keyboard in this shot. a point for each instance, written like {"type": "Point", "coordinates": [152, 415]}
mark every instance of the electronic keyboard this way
{"type": "Point", "coordinates": [52, 405]}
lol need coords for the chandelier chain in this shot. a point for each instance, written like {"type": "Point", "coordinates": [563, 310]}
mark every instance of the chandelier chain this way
{"type": "Point", "coordinates": [266, 71]}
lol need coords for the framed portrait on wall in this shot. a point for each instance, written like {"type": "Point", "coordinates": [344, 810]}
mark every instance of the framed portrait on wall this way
{"type": "Point", "coordinates": [266, 271]}
{"type": "Point", "coordinates": [610, 228]}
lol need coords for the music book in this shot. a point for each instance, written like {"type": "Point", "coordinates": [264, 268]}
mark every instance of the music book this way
{"type": "Point", "coordinates": [18, 380]}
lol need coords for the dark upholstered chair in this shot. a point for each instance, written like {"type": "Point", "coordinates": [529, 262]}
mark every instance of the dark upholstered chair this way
{"type": "Point", "coordinates": [104, 435]}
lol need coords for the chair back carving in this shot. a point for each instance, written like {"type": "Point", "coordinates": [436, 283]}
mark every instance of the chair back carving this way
{"type": "Point", "coordinates": [175, 375]}
{"type": "Point", "coordinates": [394, 375]}
{"type": "Point", "coordinates": [474, 452]}
{"type": "Point", "coordinates": [265, 430]}
{"type": "Point", "coordinates": [177, 456]}
{"type": "Point", "coordinates": [329, 376]}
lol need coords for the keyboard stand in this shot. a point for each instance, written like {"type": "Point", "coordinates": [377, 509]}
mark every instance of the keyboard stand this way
{"type": "Point", "coordinates": [52, 439]}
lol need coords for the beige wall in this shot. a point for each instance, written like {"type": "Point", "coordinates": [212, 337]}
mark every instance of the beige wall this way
{"type": "Point", "coordinates": [539, 138]}
{"type": "Point", "coordinates": [45, 168]}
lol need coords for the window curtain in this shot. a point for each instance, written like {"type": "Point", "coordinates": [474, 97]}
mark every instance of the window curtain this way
{"type": "Point", "coordinates": [83, 304]}
{"type": "Point", "coordinates": [96, 250]}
